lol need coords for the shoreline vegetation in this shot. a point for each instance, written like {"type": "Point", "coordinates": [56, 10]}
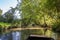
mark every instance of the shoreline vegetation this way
{"type": "Point", "coordinates": [26, 31]}
{"type": "Point", "coordinates": [32, 17]}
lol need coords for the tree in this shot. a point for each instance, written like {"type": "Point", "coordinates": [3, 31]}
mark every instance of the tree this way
{"type": "Point", "coordinates": [0, 11]}
{"type": "Point", "coordinates": [40, 12]}
{"type": "Point", "coordinates": [32, 11]}
{"type": "Point", "coordinates": [9, 15]}
{"type": "Point", "coordinates": [1, 17]}
{"type": "Point", "coordinates": [35, 11]}
{"type": "Point", "coordinates": [54, 13]}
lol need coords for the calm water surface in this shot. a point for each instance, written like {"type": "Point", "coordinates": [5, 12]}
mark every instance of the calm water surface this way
{"type": "Point", "coordinates": [11, 36]}
{"type": "Point", "coordinates": [16, 35]}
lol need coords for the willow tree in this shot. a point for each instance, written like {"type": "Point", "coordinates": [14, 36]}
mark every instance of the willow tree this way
{"type": "Point", "coordinates": [32, 11]}
{"type": "Point", "coordinates": [39, 11]}
{"type": "Point", "coordinates": [53, 7]}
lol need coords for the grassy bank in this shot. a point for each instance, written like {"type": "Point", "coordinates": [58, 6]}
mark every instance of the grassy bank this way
{"type": "Point", "coordinates": [3, 26]}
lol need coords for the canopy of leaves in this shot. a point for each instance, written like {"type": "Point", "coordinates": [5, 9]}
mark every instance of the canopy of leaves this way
{"type": "Point", "coordinates": [40, 11]}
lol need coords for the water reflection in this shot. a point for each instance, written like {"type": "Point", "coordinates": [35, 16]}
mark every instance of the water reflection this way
{"type": "Point", "coordinates": [4, 37]}
{"type": "Point", "coordinates": [16, 35]}
{"type": "Point", "coordinates": [11, 36]}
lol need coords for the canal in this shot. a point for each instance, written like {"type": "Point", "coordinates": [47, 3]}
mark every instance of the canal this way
{"type": "Point", "coordinates": [22, 35]}
{"type": "Point", "coordinates": [14, 35]}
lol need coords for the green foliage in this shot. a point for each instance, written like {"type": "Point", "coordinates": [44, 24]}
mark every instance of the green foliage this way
{"type": "Point", "coordinates": [36, 11]}
{"type": "Point", "coordinates": [4, 24]}
{"type": "Point", "coordinates": [40, 12]}
{"type": "Point", "coordinates": [0, 12]}
{"type": "Point", "coordinates": [56, 26]}
{"type": "Point", "coordinates": [9, 15]}
{"type": "Point", "coordinates": [1, 17]}
{"type": "Point", "coordinates": [7, 19]}
{"type": "Point", "coordinates": [32, 11]}
{"type": "Point", "coordinates": [3, 27]}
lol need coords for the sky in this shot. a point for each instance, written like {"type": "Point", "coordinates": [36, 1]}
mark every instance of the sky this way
{"type": "Point", "coordinates": [6, 4]}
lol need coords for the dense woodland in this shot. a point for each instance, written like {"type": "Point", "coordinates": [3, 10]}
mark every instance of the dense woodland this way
{"type": "Point", "coordinates": [41, 13]}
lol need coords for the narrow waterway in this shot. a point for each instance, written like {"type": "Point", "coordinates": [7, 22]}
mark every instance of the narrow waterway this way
{"type": "Point", "coordinates": [19, 35]}
{"type": "Point", "coordinates": [11, 36]}
{"type": "Point", "coordinates": [16, 35]}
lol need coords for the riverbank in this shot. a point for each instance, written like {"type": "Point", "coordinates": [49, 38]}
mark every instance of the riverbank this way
{"type": "Point", "coordinates": [19, 29]}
